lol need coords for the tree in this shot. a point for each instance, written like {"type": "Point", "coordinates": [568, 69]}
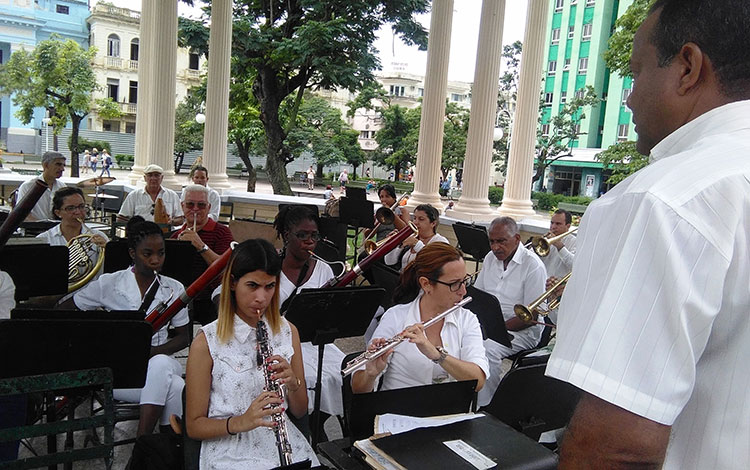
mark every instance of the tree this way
{"type": "Point", "coordinates": [564, 130]}
{"type": "Point", "coordinates": [455, 131]}
{"type": "Point", "coordinates": [245, 128]}
{"type": "Point", "coordinates": [57, 75]}
{"type": "Point", "coordinates": [397, 145]}
{"type": "Point", "coordinates": [506, 98]}
{"type": "Point", "coordinates": [188, 133]}
{"type": "Point", "coordinates": [288, 47]}
{"type": "Point", "coordinates": [624, 160]}
{"type": "Point", "coordinates": [620, 44]}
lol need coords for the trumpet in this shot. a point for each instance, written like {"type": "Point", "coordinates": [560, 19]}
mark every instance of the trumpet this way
{"type": "Point", "coordinates": [344, 266]}
{"type": "Point", "coordinates": [387, 216]}
{"type": "Point", "coordinates": [542, 245]}
{"type": "Point", "coordinates": [81, 266]}
{"type": "Point", "coordinates": [529, 314]}
{"type": "Point", "coordinates": [391, 343]}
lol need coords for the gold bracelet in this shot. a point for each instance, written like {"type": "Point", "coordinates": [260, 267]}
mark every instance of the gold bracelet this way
{"type": "Point", "coordinates": [299, 384]}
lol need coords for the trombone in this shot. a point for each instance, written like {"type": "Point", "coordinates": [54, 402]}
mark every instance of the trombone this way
{"type": "Point", "coordinates": [371, 246]}
{"type": "Point", "coordinates": [529, 314]}
{"type": "Point", "coordinates": [387, 216]}
{"type": "Point", "coordinates": [542, 245]}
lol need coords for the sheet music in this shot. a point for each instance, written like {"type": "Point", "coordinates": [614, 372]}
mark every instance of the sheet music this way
{"type": "Point", "coordinates": [375, 457]}
{"type": "Point", "coordinates": [396, 424]}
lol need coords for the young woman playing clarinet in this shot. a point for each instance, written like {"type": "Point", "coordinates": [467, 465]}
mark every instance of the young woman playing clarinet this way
{"type": "Point", "coordinates": [297, 226]}
{"type": "Point", "coordinates": [133, 289]}
{"type": "Point", "coordinates": [229, 406]}
{"type": "Point", "coordinates": [451, 349]}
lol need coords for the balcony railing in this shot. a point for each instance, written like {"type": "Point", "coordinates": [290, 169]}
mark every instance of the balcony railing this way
{"type": "Point", "coordinates": [114, 62]}
{"type": "Point", "coordinates": [133, 64]}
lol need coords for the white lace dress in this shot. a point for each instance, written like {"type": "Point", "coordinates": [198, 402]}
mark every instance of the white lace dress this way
{"type": "Point", "coordinates": [236, 382]}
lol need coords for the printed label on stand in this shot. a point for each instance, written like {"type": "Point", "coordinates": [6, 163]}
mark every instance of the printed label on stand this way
{"type": "Point", "coordinates": [470, 454]}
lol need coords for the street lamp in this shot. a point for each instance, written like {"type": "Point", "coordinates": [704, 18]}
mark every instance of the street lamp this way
{"type": "Point", "coordinates": [200, 118]}
{"type": "Point", "coordinates": [45, 123]}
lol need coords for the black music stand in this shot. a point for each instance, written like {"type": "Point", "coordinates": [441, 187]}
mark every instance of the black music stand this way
{"type": "Point", "coordinates": [490, 315]}
{"type": "Point", "coordinates": [32, 278]}
{"type": "Point", "coordinates": [422, 401]}
{"type": "Point", "coordinates": [323, 315]}
{"type": "Point", "coordinates": [48, 346]}
{"type": "Point", "coordinates": [473, 240]}
{"type": "Point", "coordinates": [178, 259]}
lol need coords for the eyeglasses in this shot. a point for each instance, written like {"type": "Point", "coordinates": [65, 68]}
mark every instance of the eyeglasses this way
{"type": "Point", "coordinates": [190, 204]}
{"type": "Point", "coordinates": [79, 207]}
{"type": "Point", "coordinates": [456, 286]}
{"type": "Point", "coordinates": [304, 236]}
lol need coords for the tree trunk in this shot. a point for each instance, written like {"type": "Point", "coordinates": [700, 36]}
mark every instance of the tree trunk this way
{"type": "Point", "coordinates": [244, 154]}
{"type": "Point", "coordinates": [396, 171]}
{"type": "Point", "coordinates": [266, 91]}
{"type": "Point", "coordinates": [75, 120]}
{"type": "Point", "coordinates": [319, 171]}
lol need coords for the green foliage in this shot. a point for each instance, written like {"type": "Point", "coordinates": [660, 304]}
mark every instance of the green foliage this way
{"type": "Point", "coordinates": [282, 48]}
{"type": "Point", "coordinates": [57, 75]}
{"type": "Point", "coordinates": [495, 195]}
{"type": "Point", "coordinates": [549, 201]}
{"type": "Point", "coordinates": [624, 160]}
{"type": "Point", "coordinates": [620, 44]}
{"type": "Point", "coordinates": [455, 130]}
{"type": "Point", "coordinates": [107, 108]}
{"type": "Point", "coordinates": [188, 134]}
{"type": "Point", "coordinates": [121, 157]}
{"type": "Point", "coordinates": [364, 100]}
{"type": "Point", "coordinates": [506, 97]}
{"type": "Point", "coordinates": [86, 144]}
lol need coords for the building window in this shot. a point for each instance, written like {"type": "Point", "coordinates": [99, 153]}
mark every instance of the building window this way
{"type": "Point", "coordinates": [130, 128]}
{"type": "Point", "coordinates": [556, 36]}
{"type": "Point", "coordinates": [421, 92]}
{"type": "Point", "coordinates": [548, 97]}
{"type": "Point", "coordinates": [571, 31]}
{"type": "Point", "coordinates": [456, 97]}
{"type": "Point", "coordinates": [583, 64]}
{"type": "Point", "coordinates": [113, 85]}
{"type": "Point", "coordinates": [133, 92]}
{"type": "Point", "coordinates": [573, 2]}
{"type": "Point", "coordinates": [134, 49]}
{"type": "Point", "coordinates": [563, 97]}
{"type": "Point", "coordinates": [545, 130]}
{"type": "Point", "coordinates": [62, 9]}
{"type": "Point", "coordinates": [366, 134]}
{"type": "Point", "coordinates": [622, 132]}
{"type": "Point", "coordinates": [579, 94]}
{"type": "Point", "coordinates": [566, 66]}
{"type": "Point", "coordinates": [590, 3]}
{"type": "Point", "coordinates": [552, 67]}
{"type": "Point", "coordinates": [625, 96]}
{"type": "Point", "coordinates": [113, 45]}
{"type": "Point", "coordinates": [193, 61]}
{"type": "Point", "coordinates": [577, 130]}
{"type": "Point", "coordinates": [559, 5]}
{"type": "Point", "coordinates": [587, 29]}
{"type": "Point", "coordinates": [397, 90]}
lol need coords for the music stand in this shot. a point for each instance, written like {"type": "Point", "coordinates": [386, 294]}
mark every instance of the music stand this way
{"type": "Point", "coordinates": [490, 315]}
{"type": "Point", "coordinates": [48, 346]}
{"type": "Point", "coordinates": [29, 278]}
{"type": "Point", "coordinates": [323, 315]}
{"type": "Point", "coordinates": [357, 213]}
{"type": "Point", "coordinates": [422, 401]}
{"type": "Point", "coordinates": [473, 240]}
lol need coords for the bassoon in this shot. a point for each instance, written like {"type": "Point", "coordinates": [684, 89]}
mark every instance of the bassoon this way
{"type": "Point", "coordinates": [160, 315]}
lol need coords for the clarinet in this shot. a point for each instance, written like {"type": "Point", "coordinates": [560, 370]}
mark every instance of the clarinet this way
{"type": "Point", "coordinates": [279, 429]}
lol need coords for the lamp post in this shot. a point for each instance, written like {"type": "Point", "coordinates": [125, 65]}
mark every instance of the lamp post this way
{"type": "Point", "coordinates": [45, 123]}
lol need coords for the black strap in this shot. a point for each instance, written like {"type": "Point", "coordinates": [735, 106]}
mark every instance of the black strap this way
{"type": "Point", "coordinates": [302, 273]}
{"type": "Point", "coordinates": [149, 297]}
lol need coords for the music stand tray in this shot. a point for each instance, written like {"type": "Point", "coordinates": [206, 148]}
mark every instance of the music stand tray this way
{"type": "Point", "coordinates": [490, 315]}
{"type": "Point", "coordinates": [323, 315]}
{"type": "Point", "coordinates": [48, 346]}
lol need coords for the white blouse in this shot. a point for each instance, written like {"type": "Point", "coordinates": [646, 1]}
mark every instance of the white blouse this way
{"type": "Point", "coordinates": [392, 257]}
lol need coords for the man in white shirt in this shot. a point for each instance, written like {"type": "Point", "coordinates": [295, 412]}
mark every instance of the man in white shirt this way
{"type": "Point", "coordinates": [143, 201]}
{"type": "Point", "coordinates": [514, 275]}
{"type": "Point", "coordinates": [654, 324]}
{"type": "Point", "coordinates": [53, 166]}
{"type": "Point", "coordinates": [559, 261]}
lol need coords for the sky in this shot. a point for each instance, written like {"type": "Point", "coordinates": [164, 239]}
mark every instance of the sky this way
{"type": "Point", "coordinates": [395, 55]}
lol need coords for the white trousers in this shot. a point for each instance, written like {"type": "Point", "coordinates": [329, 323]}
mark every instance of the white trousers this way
{"type": "Point", "coordinates": [163, 387]}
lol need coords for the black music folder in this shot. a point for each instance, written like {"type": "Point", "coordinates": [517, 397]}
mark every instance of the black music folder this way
{"type": "Point", "coordinates": [508, 448]}
{"type": "Point", "coordinates": [490, 315]}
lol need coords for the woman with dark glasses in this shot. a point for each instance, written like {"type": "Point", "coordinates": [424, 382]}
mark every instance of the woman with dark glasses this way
{"type": "Point", "coordinates": [451, 349]}
{"type": "Point", "coordinates": [298, 226]}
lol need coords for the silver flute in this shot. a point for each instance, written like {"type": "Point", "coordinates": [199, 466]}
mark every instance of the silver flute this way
{"type": "Point", "coordinates": [282, 436]}
{"type": "Point", "coordinates": [391, 343]}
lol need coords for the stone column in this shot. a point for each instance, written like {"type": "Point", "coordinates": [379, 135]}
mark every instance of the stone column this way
{"type": "Point", "coordinates": [474, 204]}
{"type": "Point", "coordinates": [517, 197]}
{"type": "Point", "coordinates": [157, 68]}
{"type": "Point", "coordinates": [217, 94]}
{"type": "Point", "coordinates": [430, 146]}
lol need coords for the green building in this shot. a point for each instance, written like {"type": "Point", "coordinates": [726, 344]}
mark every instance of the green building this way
{"type": "Point", "coordinates": [577, 35]}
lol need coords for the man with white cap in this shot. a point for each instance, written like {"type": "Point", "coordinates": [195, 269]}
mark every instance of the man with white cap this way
{"type": "Point", "coordinates": [145, 201]}
{"type": "Point", "coordinates": [53, 166]}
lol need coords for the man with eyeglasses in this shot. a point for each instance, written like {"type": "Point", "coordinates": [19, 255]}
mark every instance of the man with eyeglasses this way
{"type": "Point", "coordinates": [515, 276]}
{"type": "Point", "coordinates": [53, 166]}
{"type": "Point", "coordinates": [143, 201]}
{"type": "Point", "coordinates": [210, 239]}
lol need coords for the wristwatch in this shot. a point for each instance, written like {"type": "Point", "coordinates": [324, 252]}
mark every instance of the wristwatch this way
{"type": "Point", "coordinates": [443, 355]}
{"type": "Point", "coordinates": [204, 249]}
